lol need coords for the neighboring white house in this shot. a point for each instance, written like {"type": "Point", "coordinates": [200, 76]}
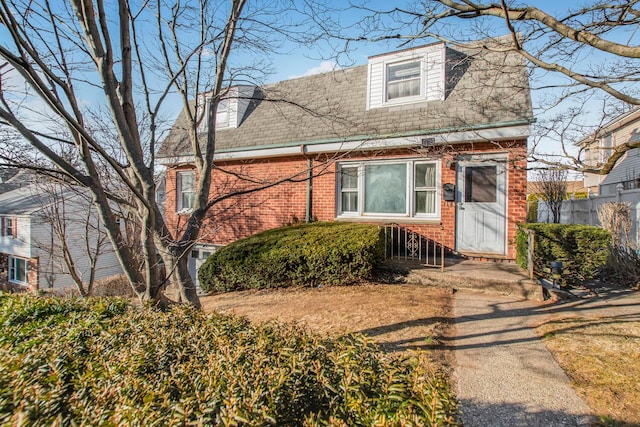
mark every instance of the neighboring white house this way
{"type": "Point", "coordinates": [620, 185]}
{"type": "Point", "coordinates": [624, 129]}
{"type": "Point", "coordinates": [44, 233]}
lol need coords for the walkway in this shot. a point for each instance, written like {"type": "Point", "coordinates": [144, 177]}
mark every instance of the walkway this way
{"type": "Point", "coordinates": [505, 375]}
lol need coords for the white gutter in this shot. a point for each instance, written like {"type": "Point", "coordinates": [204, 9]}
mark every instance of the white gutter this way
{"type": "Point", "coordinates": [492, 134]}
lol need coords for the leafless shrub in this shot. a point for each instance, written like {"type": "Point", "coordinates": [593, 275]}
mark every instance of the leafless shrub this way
{"type": "Point", "coordinates": [117, 286]}
{"type": "Point", "coordinates": [623, 263]}
{"type": "Point", "coordinates": [615, 217]}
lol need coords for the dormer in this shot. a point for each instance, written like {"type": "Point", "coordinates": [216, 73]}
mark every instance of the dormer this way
{"type": "Point", "coordinates": [406, 77]}
{"type": "Point", "coordinates": [231, 109]}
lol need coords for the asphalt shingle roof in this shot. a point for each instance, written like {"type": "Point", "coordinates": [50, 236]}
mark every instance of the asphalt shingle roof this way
{"type": "Point", "coordinates": [483, 88]}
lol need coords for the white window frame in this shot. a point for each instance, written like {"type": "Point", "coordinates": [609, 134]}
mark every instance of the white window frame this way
{"type": "Point", "coordinates": [404, 99]}
{"type": "Point", "coordinates": [410, 202]}
{"type": "Point", "coordinates": [13, 268]}
{"type": "Point", "coordinates": [9, 227]}
{"type": "Point", "coordinates": [179, 190]}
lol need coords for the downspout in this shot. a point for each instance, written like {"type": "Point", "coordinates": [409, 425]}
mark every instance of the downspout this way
{"type": "Point", "coordinates": [308, 215]}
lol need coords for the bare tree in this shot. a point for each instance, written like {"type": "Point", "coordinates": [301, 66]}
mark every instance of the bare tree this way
{"type": "Point", "coordinates": [583, 56]}
{"type": "Point", "coordinates": [77, 240]}
{"type": "Point", "coordinates": [552, 185]}
{"type": "Point", "coordinates": [129, 62]}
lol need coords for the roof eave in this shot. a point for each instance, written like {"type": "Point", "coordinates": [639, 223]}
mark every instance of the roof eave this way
{"type": "Point", "coordinates": [517, 129]}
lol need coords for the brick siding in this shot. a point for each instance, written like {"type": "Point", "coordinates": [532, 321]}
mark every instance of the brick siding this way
{"type": "Point", "coordinates": [242, 216]}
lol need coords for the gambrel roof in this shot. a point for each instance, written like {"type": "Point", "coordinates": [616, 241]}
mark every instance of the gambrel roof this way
{"type": "Point", "coordinates": [483, 90]}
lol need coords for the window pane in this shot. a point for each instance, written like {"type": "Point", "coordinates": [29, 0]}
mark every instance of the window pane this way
{"type": "Point", "coordinates": [385, 189]}
{"type": "Point", "coordinates": [186, 190]}
{"type": "Point", "coordinates": [349, 179]}
{"type": "Point", "coordinates": [425, 175]}
{"type": "Point", "coordinates": [188, 181]}
{"type": "Point", "coordinates": [18, 270]}
{"type": "Point", "coordinates": [350, 202]}
{"type": "Point", "coordinates": [405, 71]}
{"type": "Point", "coordinates": [403, 80]}
{"type": "Point", "coordinates": [187, 200]}
{"type": "Point", "coordinates": [480, 184]}
{"type": "Point", "coordinates": [426, 202]}
{"type": "Point", "coordinates": [403, 88]}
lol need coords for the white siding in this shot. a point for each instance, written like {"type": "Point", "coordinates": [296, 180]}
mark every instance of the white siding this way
{"type": "Point", "coordinates": [435, 66]}
{"type": "Point", "coordinates": [376, 85]}
{"type": "Point", "coordinates": [19, 245]}
{"type": "Point", "coordinates": [53, 270]}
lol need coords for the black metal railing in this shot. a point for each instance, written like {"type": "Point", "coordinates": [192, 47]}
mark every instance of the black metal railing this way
{"type": "Point", "coordinates": [425, 246]}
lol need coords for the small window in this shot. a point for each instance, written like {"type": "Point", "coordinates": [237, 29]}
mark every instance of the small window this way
{"type": "Point", "coordinates": [349, 189]}
{"type": "Point", "coordinates": [480, 184]}
{"type": "Point", "coordinates": [223, 113]}
{"type": "Point", "coordinates": [186, 190]}
{"type": "Point", "coordinates": [403, 80]}
{"type": "Point", "coordinates": [195, 254]}
{"type": "Point", "coordinates": [425, 182]}
{"type": "Point", "coordinates": [607, 148]}
{"type": "Point", "coordinates": [10, 227]}
{"type": "Point", "coordinates": [18, 270]}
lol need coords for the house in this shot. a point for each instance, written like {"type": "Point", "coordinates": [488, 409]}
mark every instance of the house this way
{"type": "Point", "coordinates": [620, 185]}
{"type": "Point", "coordinates": [624, 129]}
{"type": "Point", "coordinates": [432, 137]}
{"type": "Point", "coordinates": [33, 220]}
{"type": "Point", "coordinates": [12, 178]}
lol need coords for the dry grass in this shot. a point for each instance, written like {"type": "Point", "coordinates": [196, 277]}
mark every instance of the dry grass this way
{"type": "Point", "coordinates": [397, 317]}
{"type": "Point", "coordinates": [602, 356]}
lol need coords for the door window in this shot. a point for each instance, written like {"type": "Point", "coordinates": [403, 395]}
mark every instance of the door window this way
{"type": "Point", "coordinates": [480, 184]}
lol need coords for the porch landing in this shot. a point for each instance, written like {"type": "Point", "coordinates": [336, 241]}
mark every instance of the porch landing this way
{"type": "Point", "coordinates": [504, 278]}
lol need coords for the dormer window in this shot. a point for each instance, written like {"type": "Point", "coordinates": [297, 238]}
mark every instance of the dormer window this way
{"type": "Point", "coordinates": [403, 80]}
{"type": "Point", "coordinates": [406, 77]}
{"type": "Point", "coordinates": [231, 107]}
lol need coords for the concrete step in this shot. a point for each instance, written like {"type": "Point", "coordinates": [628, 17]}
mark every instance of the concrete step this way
{"type": "Point", "coordinates": [481, 276]}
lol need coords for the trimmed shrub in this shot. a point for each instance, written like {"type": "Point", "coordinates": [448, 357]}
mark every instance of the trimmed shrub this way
{"type": "Point", "coordinates": [328, 253]}
{"type": "Point", "coordinates": [583, 249]}
{"type": "Point", "coordinates": [102, 362]}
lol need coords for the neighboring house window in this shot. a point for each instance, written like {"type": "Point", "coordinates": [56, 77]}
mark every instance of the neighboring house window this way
{"type": "Point", "coordinates": [10, 227]}
{"type": "Point", "coordinates": [607, 148]}
{"type": "Point", "coordinates": [403, 80]}
{"type": "Point", "coordinates": [389, 189]}
{"type": "Point", "coordinates": [186, 190]}
{"type": "Point", "coordinates": [18, 270]}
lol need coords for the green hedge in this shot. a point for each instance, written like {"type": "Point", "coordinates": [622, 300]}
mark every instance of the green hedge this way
{"type": "Point", "coordinates": [105, 363]}
{"type": "Point", "coordinates": [301, 255]}
{"type": "Point", "coordinates": [583, 249]}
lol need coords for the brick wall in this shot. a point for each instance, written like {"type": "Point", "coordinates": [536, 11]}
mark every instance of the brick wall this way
{"type": "Point", "coordinates": [33, 266]}
{"type": "Point", "coordinates": [285, 203]}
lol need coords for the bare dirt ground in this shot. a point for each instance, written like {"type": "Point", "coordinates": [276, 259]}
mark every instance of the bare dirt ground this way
{"type": "Point", "coordinates": [397, 317]}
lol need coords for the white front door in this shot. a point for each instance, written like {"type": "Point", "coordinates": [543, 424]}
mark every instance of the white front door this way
{"type": "Point", "coordinates": [481, 206]}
